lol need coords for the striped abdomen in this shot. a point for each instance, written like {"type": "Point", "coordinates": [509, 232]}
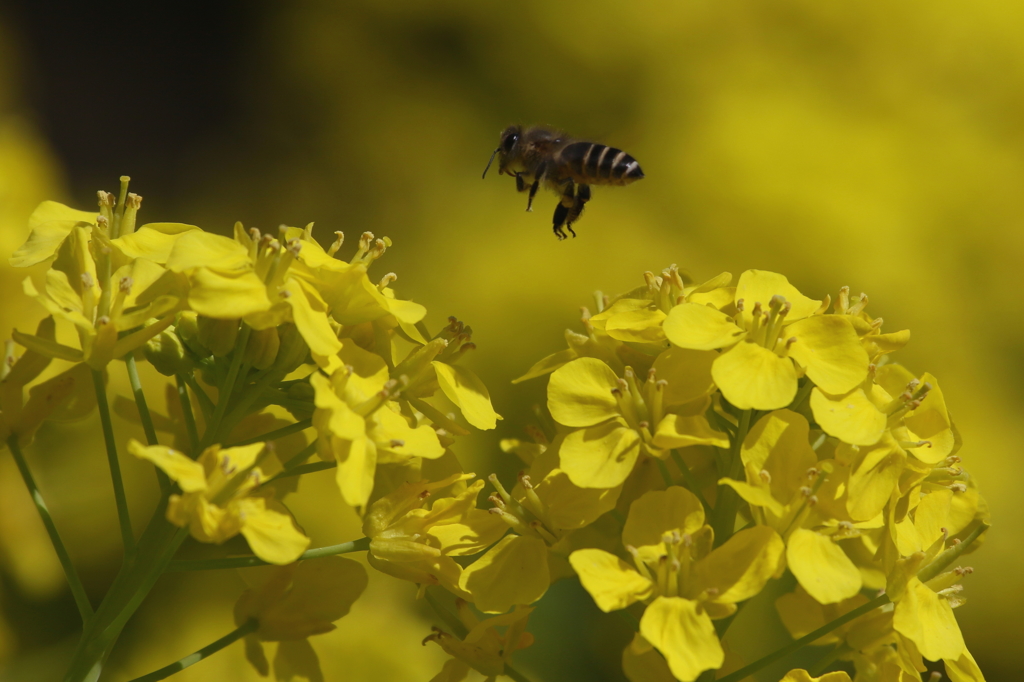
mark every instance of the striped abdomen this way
{"type": "Point", "coordinates": [597, 164]}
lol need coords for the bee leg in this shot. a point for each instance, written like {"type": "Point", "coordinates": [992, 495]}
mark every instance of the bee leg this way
{"type": "Point", "coordinates": [538, 176]}
{"type": "Point", "coordinates": [582, 197]}
{"type": "Point", "coordinates": [520, 183]}
{"type": "Point", "coordinates": [561, 210]}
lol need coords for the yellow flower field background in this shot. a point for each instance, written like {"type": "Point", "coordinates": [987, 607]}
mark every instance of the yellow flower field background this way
{"type": "Point", "coordinates": [875, 145]}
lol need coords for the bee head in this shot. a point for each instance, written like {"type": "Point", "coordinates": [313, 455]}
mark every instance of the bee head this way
{"type": "Point", "coordinates": [508, 140]}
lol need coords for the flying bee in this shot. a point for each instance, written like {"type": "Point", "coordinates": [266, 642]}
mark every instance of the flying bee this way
{"type": "Point", "coordinates": [568, 167]}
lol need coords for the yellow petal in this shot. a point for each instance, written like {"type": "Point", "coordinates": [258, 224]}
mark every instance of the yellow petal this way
{"type": "Point", "coordinates": [964, 669]}
{"type": "Point", "coordinates": [927, 619]}
{"type": "Point", "coordinates": [312, 324]}
{"type": "Point", "coordinates": [688, 373]}
{"type": "Point", "coordinates": [333, 414]}
{"type": "Point", "coordinates": [828, 347]}
{"type": "Point", "coordinates": [700, 327]}
{"type": "Point", "coordinates": [153, 241]}
{"type": "Point", "coordinates": [514, 571]}
{"type": "Point", "coordinates": [684, 634]}
{"type": "Point", "coordinates": [759, 286]}
{"type": "Point", "coordinates": [227, 296]}
{"type": "Point", "coordinates": [662, 511]}
{"type": "Point", "coordinates": [743, 565]}
{"type": "Point", "coordinates": [759, 497]}
{"type": "Point", "coordinates": [580, 393]}
{"type": "Point", "coordinates": [630, 319]}
{"type": "Point", "coordinates": [51, 223]}
{"type": "Point", "coordinates": [393, 433]}
{"type": "Point", "coordinates": [675, 431]}
{"type": "Point", "coordinates": [601, 456]}
{"type": "Point", "coordinates": [568, 505]}
{"type": "Point", "coordinates": [821, 567]}
{"type": "Point", "coordinates": [753, 377]}
{"type": "Point", "coordinates": [612, 582]}
{"type": "Point", "coordinates": [874, 472]}
{"type": "Point", "coordinates": [272, 536]}
{"type": "Point", "coordinates": [465, 389]}
{"type": "Point", "coordinates": [778, 443]}
{"type": "Point", "coordinates": [931, 422]}
{"type": "Point", "coordinates": [188, 474]}
{"type": "Point", "coordinates": [199, 249]}
{"type": "Point", "coordinates": [851, 418]}
{"type": "Point", "coordinates": [357, 463]}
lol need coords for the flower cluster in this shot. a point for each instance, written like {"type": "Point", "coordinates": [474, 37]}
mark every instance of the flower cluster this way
{"type": "Point", "coordinates": [700, 442]}
{"type": "Point", "coordinates": [787, 441]}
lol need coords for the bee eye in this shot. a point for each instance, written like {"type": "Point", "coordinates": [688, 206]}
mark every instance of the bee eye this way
{"type": "Point", "coordinates": [509, 142]}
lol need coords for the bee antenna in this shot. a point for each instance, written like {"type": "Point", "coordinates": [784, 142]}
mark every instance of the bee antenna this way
{"type": "Point", "coordinates": [490, 162]}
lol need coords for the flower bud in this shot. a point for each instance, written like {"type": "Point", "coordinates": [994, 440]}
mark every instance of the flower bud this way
{"type": "Point", "coordinates": [186, 325]}
{"type": "Point", "coordinates": [293, 350]}
{"type": "Point", "coordinates": [217, 335]}
{"type": "Point", "coordinates": [166, 353]}
{"type": "Point", "coordinates": [261, 351]}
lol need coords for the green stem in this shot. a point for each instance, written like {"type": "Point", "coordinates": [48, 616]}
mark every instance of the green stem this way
{"type": "Point", "coordinates": [360, 545]}
{"type": "Point", "coordinates": [144, 415]}
{"type": "Point", "coordinates": [249, 626]}
{"type": "Point", "coordinates": [190, 417]}
{"type": "Point", "coordinates": [727, 503]}
{"type": "Point", "coordinates": [949, 555]}
{"type": "Point", "coordinates": [691, 481]}
{"type": "Point", "coordinates": [663, 470]}
{"type": "Point", "coordinates": [801, 395]}
{"type": "Point", "coordinates": [127, 538]}
{"type": "Point", "coordinates": [252, 394]}
{"type": "Point", "coordinates": [302, 469]}
{"type": "Point", "coordinates": [205, 404]}
{"type": "Point", "coordinates": [77, 589]}
{"type": "Point", "coordinates": [224, 394]}
{"type": "Point", "coordinates": [748, 670]}
{"type": "Point", "coordinates": [303, 455]}
{"type": "Point", "coordinates": [515, 674]}
{"type": "Point", "coordinates": [831, 657]}
{"type": "Point", "coordinates": [278, 433]}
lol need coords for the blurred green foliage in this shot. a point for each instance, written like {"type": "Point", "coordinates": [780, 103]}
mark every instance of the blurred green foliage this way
{"type": "Point", "coordinates": [876, 145]}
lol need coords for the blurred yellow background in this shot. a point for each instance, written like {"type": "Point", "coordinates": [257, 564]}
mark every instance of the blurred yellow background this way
{"type": "Point", "coordinates": [876, 145]}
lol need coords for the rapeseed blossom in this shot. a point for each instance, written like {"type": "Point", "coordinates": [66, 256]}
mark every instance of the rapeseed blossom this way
{"type": "Point", "coordinates": [701, 444]}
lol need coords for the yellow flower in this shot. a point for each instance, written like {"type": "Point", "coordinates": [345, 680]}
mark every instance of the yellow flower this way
{"type": "Point", "coordinates": [543, 510]}
{"type": "Point", "coordinates": [685, 583]}
{"type": "Point", "coordinates": [292, 603]}
{"type": "Point", "coordinates": [616, 420]}
{"type": "Point", "coordinates": [220, 499]}
{"type": "Point", "coordinates": [782, 476]}
{"type": "Point", "coordinates": [255, 278]}
{"type": "Point", "coordinates": [482, 649]}
{"type": "Point", "coordinates": [360, 426]}
{"type": "Point", "coordinates": [417, 544]}
{"type": "Point", "coordinates": [772, 327]}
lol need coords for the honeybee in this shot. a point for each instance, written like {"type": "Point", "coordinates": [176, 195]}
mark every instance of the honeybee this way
{"type": "Point", "coordinates": [569, 167]}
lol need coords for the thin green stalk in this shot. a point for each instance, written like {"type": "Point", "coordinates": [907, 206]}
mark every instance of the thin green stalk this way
{"type": "Point", "coordinates": [360, 545]}
{"type": "Point", "coordinates": [515, 674]}
{"type": "Point", "coordinates": [302, 469]}
{"type": "Point", "coordinates": [801, 395]}
{"type": "Point", "coordinates": [249, 626]}
{"type": "Point", "coordinates": [205, 404]}
{"type": "Point", "coordinates": [727, 503]}
{"type": "Point", "coordinates": [828, 659]}
{"type": "Point", "coordinates": [691, 481]}
{"type": "Point", "coordinates": [127, 537]}
{"type": "Point", "coordinates": [190, 417]}
{"type": "Point", "coordinates": [748, 670]}
{"type": "Point", "coordinates": [224, 394]}
{"type": "Point", "coordinates": [241, 408]}
{"type": "Point", "coordinates": [663, 469]}
{"type": "Point", "coordinates": [303, 455]}
{"type": "Point", "coordinates": [278, 433]}
{"type": "Point", "coordinates": [77, 589]}
{"type": "Point", "coordinates": [144, 415]}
